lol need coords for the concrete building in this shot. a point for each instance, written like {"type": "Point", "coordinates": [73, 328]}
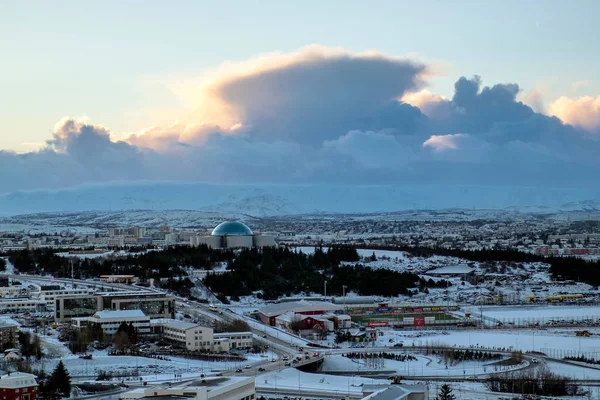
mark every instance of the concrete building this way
{"type": "Point", "coordinates": [8, 335]}
{"type": "Point", "coordinates": [210, 388]}
{"type": "Point", "coordinates": [237, 340]}
{"type": "Point", "coordinates": [17, 305]}
{"type": "Point", "coordinates": [18, 386]}
{"type": "Point", "coordinates": [193, 336]}
{"type": "Point", "coordinates": [233, 235]}
{"type": "Point", "coordinates": [154, 305]}
{"type": "Point", "coordinates": [109, 321]}
{"type": "Point", "coordinates": [395, 392]}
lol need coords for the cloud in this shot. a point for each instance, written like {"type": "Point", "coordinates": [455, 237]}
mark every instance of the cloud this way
{"type": "Point", "coordinates": [579, 84]}
{"type": "Point", "coordinates": [308, 96]}
{"type": "Point", "coordinates": [327, 115]}
{"type": "Point", "coordinates": [583, 112]}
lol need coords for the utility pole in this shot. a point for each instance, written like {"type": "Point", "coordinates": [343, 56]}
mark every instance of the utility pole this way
{"type": "Point", "coordinates": [325, 288]}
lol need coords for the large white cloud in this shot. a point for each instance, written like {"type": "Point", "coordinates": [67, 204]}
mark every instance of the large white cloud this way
{"type": "Point", "coordinates": [583, 111]}
{"type": "Point", "coordinates": [325, 115]}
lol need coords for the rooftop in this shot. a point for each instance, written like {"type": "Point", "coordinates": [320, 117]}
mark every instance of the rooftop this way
{"type": "Point", "coordinates": [231, 228]}
{"type": "Point", "coordinates": [453, 269]}
{"type": "Point", "coordinates": [299, 307]}
{"type": "Point", "coordinates": [109, 314]}
{"type": "Point", "coordinates": [174, 323]}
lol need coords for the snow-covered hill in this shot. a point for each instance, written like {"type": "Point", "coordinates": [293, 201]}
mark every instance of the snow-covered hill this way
{"type": "Point", "coordinates": [270, 200]}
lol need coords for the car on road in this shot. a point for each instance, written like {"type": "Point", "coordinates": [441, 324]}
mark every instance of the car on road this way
{"type": "Point", "coordinates": [247, 367]}
{"type": "Point", "coordinates": [288, 364]}
{"type": "Point", "coordinates": [261, 369]}
{"type": "Point", "coordinates": [238, 370]}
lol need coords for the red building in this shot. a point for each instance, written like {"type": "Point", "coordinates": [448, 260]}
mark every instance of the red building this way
{"type": "Point", "coordinates": [269, 314]}
{"type": "Point", "coordinates": [18, 386]}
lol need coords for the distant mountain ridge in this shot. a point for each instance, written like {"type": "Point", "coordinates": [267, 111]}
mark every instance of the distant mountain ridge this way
{"type": "Point", "coordinates": [274, 200]}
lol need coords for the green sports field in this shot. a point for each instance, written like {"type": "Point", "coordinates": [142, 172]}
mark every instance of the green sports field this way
{"type": "Point", "coordinates": [399, 317]}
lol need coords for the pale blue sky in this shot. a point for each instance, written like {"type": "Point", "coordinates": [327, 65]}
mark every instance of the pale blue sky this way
{"type": "Point", "coordinates": [102, 59]}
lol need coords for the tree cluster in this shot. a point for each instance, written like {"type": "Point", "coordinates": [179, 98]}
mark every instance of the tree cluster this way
{"type": "Point", "coordinates": [57, 385]}
{"type": "Point", "coordinates": [237, 325]}
{"type": "Point", "coordinates": [30, 344]}
{"type": "Point", "coordinates": [455, 356]}
{"type": "Point", "coordinates": [277, 272]}
{"type": "Point", "coordinates": [583, 359]}
{"type": "Point", "coordinates": [386, 356]}
{"type": "Point", "coordinates": [126, 338]}
{"type": "Point", "coordinates": [539, 382]}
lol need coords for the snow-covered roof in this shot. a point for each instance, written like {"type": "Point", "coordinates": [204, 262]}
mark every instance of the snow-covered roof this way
{"type": "Point", "coordinates": [394, 392]}
{"type": "Point", "coordinates": [176, 324]}
{"type": "Point", "coordinates": [119, 314]}
{"type": "Point", "coordinates": [453, 269]}
{"type": "Point", "coordinates": [17, 380]}
{"type": "Point", "coordinates": [273, 310]}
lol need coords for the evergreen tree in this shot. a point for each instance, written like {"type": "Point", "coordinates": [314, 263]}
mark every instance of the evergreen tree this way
{"type": "Point", "coordinates": [445, 393]}
{"type": "Point", "coordinates": [60, 380]}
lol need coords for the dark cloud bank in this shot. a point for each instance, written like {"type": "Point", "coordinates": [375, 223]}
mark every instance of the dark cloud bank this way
{"type": "Point", "coordinates": [331, 120]}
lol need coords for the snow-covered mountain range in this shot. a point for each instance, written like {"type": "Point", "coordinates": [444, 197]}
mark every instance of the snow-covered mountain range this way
{"type": "Point", "coordinates": [272, 200]}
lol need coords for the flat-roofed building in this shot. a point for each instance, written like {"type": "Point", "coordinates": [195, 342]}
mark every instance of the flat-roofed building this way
{"type": "Point", "coordinates": [193, 337]}
{"type": "Point", "coordinates": [8, 335]}
{"type": "Point", "coordinates": [395, 392]}
{"type": "Point", "coordinates": [210, 388]}
{"type": "Point", "coordinates": [110, 321]}
{"type": "Point", "coordinates": [154, 305]}
{"type": "Point", "coordinates": [237, 340]}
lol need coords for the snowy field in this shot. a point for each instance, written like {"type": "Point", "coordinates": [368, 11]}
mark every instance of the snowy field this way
{"type": "Point", "coordinates": [424, 365]}
{"type": "Point", "coordinates": [524, 339]}
{"type": "Point", "coordinates": [148, 368]}
{"type": "Point", "coordinates": [539, 312]}
{"type": "Point", "coordinates": [291, 378]}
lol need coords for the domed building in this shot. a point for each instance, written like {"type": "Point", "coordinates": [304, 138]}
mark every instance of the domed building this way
{"type": "Point", "coordinates": [233, 235]}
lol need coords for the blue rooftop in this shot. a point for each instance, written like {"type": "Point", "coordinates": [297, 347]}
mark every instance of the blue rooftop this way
{"type": "Point", "coordinates": [231, 228]}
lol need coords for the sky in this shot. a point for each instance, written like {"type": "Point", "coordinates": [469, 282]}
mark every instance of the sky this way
{"type": "Point", "coordinates": [232, 91]}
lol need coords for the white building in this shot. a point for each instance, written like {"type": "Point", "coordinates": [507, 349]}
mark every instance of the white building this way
{"type": "Point", "coordinates": [211, 388]}
{"type": "Point", "coordinates": [193, 336]}
{"type": "Point", "coordinates": [395, 392]}
{"type": "Point", "coordinates": [109, 321]}
{"type": "Point", "coordinates": [233, 235]}
{"type": "Point", "coordinates": [237, 340]}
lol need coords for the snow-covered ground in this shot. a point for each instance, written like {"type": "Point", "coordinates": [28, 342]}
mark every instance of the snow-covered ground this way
{"type": "Point", "coordinates": [539, 313]}
{"type": "Point", "coordinates": [424, 365]}
{"type": "Point", "coordinates": [291, 378]}
{"type": "Point", "coordinates": [148, 368]}
{"type": "Point", "coordinates": [524, 339]}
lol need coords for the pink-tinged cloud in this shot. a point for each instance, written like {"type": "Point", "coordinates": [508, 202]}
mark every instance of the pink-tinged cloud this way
{"type": "Point", "coordinates": [583, 112]}
{"type": "Point", "coordinates": [430, 104]}
{"type": "Point", "coordinates": [445, 142]}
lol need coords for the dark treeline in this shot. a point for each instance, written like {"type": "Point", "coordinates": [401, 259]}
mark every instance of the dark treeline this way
{"type": "Point", "coordinates": [152, 264]}
{"type": "Point", "coordinates": [455, 356]}
{"type": "Point", "coordinates": [561, 268]}
{"type": "Point", "coordinates": [386, 356]}
{"type": "Point", "coordinates": [280, 271]}
{"type": "Point", "coordinates": [539, 382]}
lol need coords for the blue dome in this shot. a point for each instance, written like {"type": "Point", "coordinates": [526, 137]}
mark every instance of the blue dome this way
{"type": "Point", "coordinates": [231, 228]}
